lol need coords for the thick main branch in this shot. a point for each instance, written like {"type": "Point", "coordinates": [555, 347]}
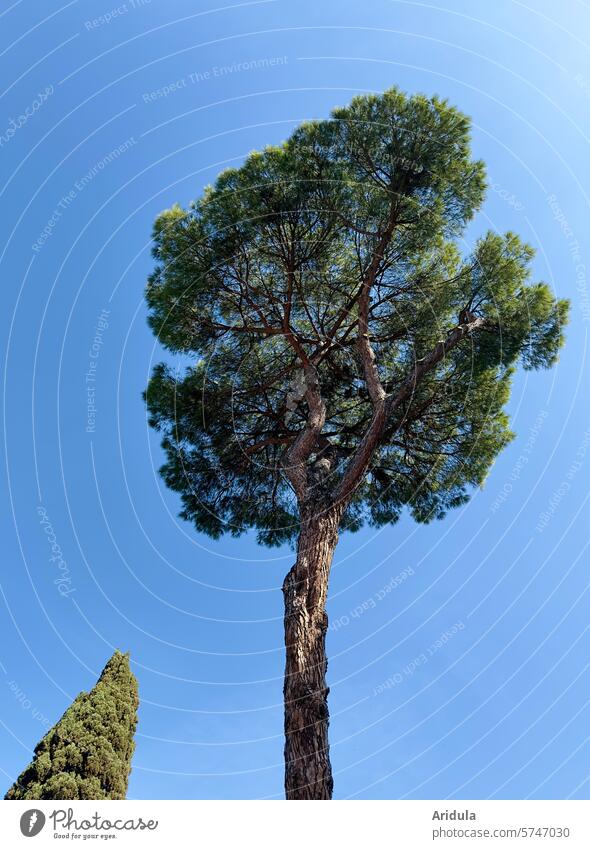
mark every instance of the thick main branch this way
{"type": "Point", "coordinates": [296, 457]}
{"type": "Point", "coordinates": [384, 411]}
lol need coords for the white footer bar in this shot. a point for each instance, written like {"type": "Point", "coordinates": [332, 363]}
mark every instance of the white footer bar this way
{"type": "Point", "coordinates": [338, 825]}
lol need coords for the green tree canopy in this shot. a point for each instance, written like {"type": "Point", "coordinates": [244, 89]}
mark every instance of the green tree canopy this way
{"type": "Point", "coordinates": [323, 281]}
{"type": "Point", "coordinates": [87, 754]}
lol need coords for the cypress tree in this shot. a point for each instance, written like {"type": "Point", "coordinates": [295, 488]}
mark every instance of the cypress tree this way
{"type": "Point", "coordinates": [87, 754]}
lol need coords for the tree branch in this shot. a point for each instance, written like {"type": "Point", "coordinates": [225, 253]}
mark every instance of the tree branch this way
{"type": "Point", "coordinates": [374, 385]}
{"type": "Point", "coordinates": [360, 460]}
{"type": "Point", "coordinates": [297, 455]}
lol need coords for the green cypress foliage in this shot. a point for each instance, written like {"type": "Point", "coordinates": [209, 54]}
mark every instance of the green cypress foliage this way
{"type": "Point", "coordinates": [87, 754]}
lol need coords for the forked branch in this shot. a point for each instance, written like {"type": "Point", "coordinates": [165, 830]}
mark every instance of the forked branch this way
{"type": "Point", "coordinates": [383, 412]}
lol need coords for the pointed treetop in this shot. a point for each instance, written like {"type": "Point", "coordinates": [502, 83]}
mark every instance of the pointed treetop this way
{"type": "Point", "coordinates": [87, 754]}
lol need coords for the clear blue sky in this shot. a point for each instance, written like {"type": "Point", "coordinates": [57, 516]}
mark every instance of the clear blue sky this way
{"type": "Point", "coordinates": [502, 707]}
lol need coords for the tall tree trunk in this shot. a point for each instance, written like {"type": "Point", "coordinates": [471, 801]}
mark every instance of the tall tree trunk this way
{"type": "Point", "coordinates": [308, 774]}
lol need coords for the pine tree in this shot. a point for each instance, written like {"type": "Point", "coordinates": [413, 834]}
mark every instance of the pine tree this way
{"type": "Point", "coordinates": [87, 754]}
{"type": "Point", "coordinates": [347, 359]}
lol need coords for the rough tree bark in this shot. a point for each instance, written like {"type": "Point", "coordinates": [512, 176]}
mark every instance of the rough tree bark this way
{"type": "Point", "coordinates": [308, 774]}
